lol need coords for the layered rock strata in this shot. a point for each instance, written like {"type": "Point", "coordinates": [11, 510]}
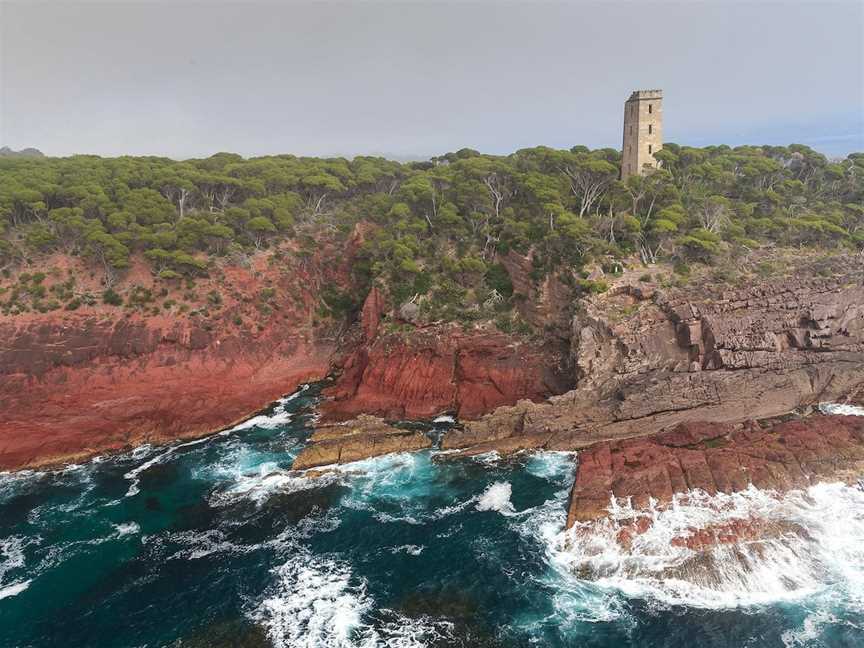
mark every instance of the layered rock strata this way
{"type": "Point", "coordinates": [366, 436]}
{"type": "Point", "coordinates": [80, 386]}
{"type": "Point", "coordinates": [647, 359]}
{"type": "Point", "coordinates": [441, 368]}
{"type": "Point", "coordinates": [716, 457]}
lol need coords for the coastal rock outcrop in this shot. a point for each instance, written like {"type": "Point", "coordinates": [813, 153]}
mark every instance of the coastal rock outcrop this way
{"type": "Point", "coordinates": [364, 437]}
{"type": "Point", "coordinates": [716, 457]}
{"type": "Point", "coordinates": [646, 359]}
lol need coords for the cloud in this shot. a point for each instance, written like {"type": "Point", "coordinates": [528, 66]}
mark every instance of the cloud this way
{"type": "Point", "coordinates": [191, 78]}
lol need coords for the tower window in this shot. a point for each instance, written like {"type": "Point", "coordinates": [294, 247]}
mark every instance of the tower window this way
{"type": "Point", "coordinates": [650, 109]}
{"type": "Point", "coordinates": [649, 148]}
{"type": "Point", "coordinates": [650, 129]}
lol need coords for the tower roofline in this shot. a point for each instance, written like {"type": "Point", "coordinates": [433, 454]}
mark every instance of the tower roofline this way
{"type": "Point", "coordinates": [638, 95]}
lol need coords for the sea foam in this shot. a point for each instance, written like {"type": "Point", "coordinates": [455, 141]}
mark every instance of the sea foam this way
{"type": "Point", "coordinates": [497, 498]}
{"type": "Point", "coordinates": [316, 602]}
{"type": "Point", "coordinates": [841, 408]}
{"type": "Point", "coordinates": [14, 589]}
{"type": "Point", "coordinates": [820, 546]}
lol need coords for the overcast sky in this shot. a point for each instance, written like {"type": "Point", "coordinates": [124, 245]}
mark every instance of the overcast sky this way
{"type": "Point", "coordinates": [186, 79]}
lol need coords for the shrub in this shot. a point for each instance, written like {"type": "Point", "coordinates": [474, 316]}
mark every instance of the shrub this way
{"type": "Point", "coordinates": [112, 298]}
{"type": "Point", "coordinates": [682, 269]}
{"type": "Point", "coordinates": [497, 278]}
{"type": "Point", "coordinates": [589, 286]}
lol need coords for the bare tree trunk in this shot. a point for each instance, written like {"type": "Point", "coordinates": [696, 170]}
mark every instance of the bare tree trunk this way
{"type": "Point", "coordinates": [181, 201]}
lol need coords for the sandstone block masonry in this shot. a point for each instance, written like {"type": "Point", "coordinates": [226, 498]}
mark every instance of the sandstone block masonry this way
{"type": "Point", "coordinates": [643, 132]}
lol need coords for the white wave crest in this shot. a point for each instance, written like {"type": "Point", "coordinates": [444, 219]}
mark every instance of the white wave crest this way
{"type": "Point", "coordinates": [497, 498]}
{"type": "Point", "coordinates": [808, 633]}
{"type": "Point", "coordinates": [133, 475]}
{"type": "Point", "coordinates": [314, 605]}
{"type": "Point", "coordinates": [489, 458]}
{"type": "Point", "coordinates": [269, 479]}
{"type": "Point", "coordinates": [12, 558]}
{"type": "Point", "coordinates": [197, 544]}
{"type": "Point", "coordinates": [410, 549]}
{"type": "Point", "coordinates": [265, 421]}
{"type": "Point", "coordinates": [316, 602]}
{"type": "Point", "coordinates": [841, 408]}
{"type": "Point", "coordinates": [278, 417]}
{"type": "Point", "coordinates": [127, 528]}
{"type": "Point", "coordinates": [14, 589]}
{"type": "Point", "coordinates": [11, 482]}
{"type": "Point", "coordinates": [12, 553]}
{"type": "Point", "coordinates": [551, 465]}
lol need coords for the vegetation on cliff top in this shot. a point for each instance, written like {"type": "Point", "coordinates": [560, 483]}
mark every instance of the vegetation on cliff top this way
{"type": "Point", "coordinates": [439, 229]}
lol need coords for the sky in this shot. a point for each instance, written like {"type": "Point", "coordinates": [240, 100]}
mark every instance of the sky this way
{"type": "Point", "coordinates": [420, 78]}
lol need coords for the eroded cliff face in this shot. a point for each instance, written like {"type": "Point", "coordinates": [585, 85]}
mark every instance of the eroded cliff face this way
{"type": "Point", "coordinates": [74, 385]}
{"type": "Point", "coordinates": [441, 368]}
{"type": "Point", "coordinates": [639, 360]}
{"type": "Point", "coordinates": [647, 359]}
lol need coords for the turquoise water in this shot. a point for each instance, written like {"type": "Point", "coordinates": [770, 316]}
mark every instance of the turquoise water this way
{"type": "Point", "coordinates": [215, 543]}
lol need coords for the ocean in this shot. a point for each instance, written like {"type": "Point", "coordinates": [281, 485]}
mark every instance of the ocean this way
{"type": "Point", "coordinates": [215, 542]}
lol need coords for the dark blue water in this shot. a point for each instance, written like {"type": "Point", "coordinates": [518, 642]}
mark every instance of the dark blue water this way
{"type": "Point", "coordinates": [215, 543]}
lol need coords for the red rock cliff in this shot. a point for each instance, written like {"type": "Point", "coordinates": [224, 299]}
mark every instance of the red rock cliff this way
{"type": "Point", "coordinates": [441, 368]}
{"type": "Point", "coordinates": [77, 384]}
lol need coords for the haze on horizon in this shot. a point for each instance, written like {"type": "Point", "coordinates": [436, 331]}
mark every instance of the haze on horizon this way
{"type": "Point", "coordinates": [416, 79]}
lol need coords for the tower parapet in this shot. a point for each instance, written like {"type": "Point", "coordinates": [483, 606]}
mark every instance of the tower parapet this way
{"type": "Point", "coordinates": [643, 132]}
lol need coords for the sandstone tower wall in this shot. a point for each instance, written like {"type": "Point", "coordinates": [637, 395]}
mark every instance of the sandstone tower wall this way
{"type": "Point", "coordinates": [643, 131]}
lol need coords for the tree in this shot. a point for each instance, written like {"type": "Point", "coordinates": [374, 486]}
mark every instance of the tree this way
{"type": "Point", "coordinates": [148, 207]}
{"type": "Point", "coordinates": [178, 187]}
{"type": "Point", "coordinates": [259, 227]}
{"type": "Point", "coordinates": [589, 178]}
{"type": "Point", "coordinates": [714, 213]}
{"type": "Point", "coordinates": [110, 252]}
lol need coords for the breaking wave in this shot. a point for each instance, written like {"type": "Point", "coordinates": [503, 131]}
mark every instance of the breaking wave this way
{"type": "Point", "coordinates": [13, 589]}
{"type": "Point", "coordinates": [276, 418]}
{"type": "Point", "coordinates": [267, 479]}
{"type": "Point", "coordinates": [497, 498]}
{"type": "Point", "coordinates": [841, 408]}
{"type": "Point", "coordinates": [316, 602]}
{"type": "Point", "coordinates": [806, 542]}
{"type": "Point", "coordinates": [12, 560]}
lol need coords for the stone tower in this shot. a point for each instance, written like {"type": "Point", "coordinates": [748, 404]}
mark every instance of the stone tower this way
{"type": "Point", "coordinates": [643, 131]}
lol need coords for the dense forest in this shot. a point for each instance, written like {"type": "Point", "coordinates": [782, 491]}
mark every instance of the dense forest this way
{"type": "Point", "coordinates": [438, 228]}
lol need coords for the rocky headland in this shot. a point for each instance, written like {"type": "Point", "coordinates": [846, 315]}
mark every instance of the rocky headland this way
{"type": "Point", "coordinates": [647, 358]}
{"type": "Point", "coordinates": [660, 384]}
